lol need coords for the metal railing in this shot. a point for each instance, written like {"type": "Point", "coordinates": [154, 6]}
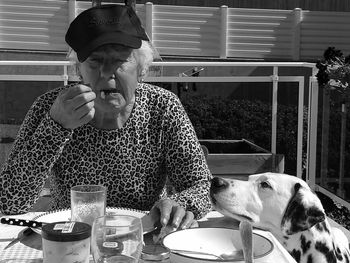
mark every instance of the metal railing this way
{"type": "Point", "coordinates": [16, 77]}
{"type": "Point", "coordinates": [274, 78]}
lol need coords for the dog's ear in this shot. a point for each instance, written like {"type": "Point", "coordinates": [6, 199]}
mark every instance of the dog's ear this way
{"type": "Point", "coordinates": [301, 212]}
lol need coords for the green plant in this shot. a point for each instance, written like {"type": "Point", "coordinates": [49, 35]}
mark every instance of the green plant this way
{"type": "Point", "coordinates": [334, 72]}
{"type": "Point", "coordinates": [334, 77]}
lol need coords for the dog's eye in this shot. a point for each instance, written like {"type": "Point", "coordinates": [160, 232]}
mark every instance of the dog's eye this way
{"type": "Point", "coordinates": [265, 185]}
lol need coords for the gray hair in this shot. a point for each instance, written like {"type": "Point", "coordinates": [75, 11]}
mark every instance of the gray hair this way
{"type": "Point", "coordinates": [144, 57]}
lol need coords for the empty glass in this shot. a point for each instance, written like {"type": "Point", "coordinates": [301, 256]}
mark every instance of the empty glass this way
{"type": "Point", "coordinates": [87, 202]}
{"type": "Point", "coordinates": [117, 238]}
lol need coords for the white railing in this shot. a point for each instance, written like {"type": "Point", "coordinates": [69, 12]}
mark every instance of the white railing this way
{"type": "Point", "coordinates": [16, 77]}
{"type": "Point", "coordinates": [274, 78]}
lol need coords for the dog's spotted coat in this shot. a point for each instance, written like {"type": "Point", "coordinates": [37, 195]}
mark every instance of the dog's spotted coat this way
{"type": "Point", "coordinates": [309, 234]}
{"type": "Point", "coordinates": [157, 142]}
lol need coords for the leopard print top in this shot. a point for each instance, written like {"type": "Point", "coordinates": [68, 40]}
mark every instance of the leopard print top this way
{"type": "Point", "coordinates": [156, 144]}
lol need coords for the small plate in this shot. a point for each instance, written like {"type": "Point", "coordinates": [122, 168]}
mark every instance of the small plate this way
{"type": "Point", "coordinates": [65, 214]}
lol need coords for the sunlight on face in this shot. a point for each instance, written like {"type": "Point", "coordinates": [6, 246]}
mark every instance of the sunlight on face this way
{"type": "Point", "coordinates": [111, 71]}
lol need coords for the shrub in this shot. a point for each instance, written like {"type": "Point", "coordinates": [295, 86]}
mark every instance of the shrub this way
{"type": "Point", "coordinates": [227, 119]}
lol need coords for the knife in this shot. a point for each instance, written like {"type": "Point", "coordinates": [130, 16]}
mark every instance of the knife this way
{"type": "Point", "coordinates": [21, 222]}
{"type": "Point", "coordinates": [21, 235]}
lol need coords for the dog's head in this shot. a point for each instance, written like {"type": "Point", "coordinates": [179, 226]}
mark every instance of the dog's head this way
{"type": "Point", "coordinates": [271, 201]}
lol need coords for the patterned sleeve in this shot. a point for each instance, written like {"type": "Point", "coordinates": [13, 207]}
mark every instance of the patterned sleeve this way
{"type": "Point", "coordinates": [187, 169]}
{"type": "Point", "coordinates": [36, 148]}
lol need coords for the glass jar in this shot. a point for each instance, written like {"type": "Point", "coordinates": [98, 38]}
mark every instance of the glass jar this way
{"type": "Point", "coordinates": [67, 242]}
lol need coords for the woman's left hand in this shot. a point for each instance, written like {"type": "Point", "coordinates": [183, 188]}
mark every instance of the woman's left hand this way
{"type": "Point", "coordinates": [167, 212]}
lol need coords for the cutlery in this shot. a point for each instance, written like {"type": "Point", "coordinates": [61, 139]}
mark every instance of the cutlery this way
{"type": "Point", "coordinates": [21, 222]}
{"type": "Point", "coordinates": [231, 257]}
{"type": "Point", "coordinates": [21, 235]}
{"type": "Point", "coordinates": [246, 232]}
{"type": "Point", "coordinates": [147, 223]}
{"type": "Point", "coordinates": [189, 252]}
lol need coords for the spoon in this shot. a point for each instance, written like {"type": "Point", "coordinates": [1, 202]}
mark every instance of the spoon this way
{"type": "Point", "coordinates": [246, 232]}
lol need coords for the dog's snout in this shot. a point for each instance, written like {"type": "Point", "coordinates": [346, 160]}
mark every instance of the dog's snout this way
{"type": "Point", "coordinates": [218, 184]}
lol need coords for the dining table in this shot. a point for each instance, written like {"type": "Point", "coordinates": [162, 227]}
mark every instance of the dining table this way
{"type": "Point", "coordinates": [29, 250]}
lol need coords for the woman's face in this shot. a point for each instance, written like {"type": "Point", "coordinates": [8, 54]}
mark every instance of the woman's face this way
{"type": "Point", "coordinates": [112, 72]}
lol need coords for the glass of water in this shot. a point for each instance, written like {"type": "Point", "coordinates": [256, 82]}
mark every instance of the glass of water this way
{"type": "Point", "coordinates": [116, 238]}
{"type": "Point", "coordinates": [88, 202]}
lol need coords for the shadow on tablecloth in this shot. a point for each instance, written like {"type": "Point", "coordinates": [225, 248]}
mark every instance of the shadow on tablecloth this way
{"type": "Point", "coordinates": [32, 241]}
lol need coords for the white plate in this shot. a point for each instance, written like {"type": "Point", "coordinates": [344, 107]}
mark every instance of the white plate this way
{"type": "Point", "coordinates": [205, 245]}
{"type": "Point", "coordinates": [65, 214]}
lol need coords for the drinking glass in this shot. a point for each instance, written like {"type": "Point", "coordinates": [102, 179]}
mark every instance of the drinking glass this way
{"type": "Point", "coordinates": [116, 238]}
{"type": "Point", "coordinates": [88, 202]}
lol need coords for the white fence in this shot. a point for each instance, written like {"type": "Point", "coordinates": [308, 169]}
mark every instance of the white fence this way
{"type": "Point", "coordinates": [218, 32]}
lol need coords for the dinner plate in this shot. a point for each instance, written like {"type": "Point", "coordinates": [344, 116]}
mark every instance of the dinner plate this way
{"type": "Point", "coordinates": [208, 244]}
{"type": "Point", "coordinates": [65, 214]}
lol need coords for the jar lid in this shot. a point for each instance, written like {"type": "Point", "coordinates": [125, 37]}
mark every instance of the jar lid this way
{"type": "Point", "coordinates": [66, 231]}
{"type": "Point", "coordinates": [155, 252]}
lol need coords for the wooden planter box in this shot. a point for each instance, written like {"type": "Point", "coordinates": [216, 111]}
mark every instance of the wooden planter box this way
{"type": "Point", "coordinates": [240, 158]}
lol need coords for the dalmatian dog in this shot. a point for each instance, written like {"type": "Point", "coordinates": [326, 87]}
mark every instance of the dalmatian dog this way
{"type": "Point", "coordinates": [285, 206]}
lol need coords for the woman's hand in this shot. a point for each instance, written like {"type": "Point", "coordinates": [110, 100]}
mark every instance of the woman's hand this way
{"type": "Point", "coordinates": [74, 107]}
{"type": "Point", "coordinates": [167, 212]}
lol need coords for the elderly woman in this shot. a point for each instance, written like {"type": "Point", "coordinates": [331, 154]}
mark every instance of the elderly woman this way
{"type": "Point", "coordinates": [111, 129]}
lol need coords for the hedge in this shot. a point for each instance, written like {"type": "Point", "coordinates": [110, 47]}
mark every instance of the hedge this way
{"type": "Point", "coordinates": [227, 119]}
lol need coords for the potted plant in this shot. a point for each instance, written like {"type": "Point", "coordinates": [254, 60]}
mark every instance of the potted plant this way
{"type": "Point", "coordinates": [334, 76]}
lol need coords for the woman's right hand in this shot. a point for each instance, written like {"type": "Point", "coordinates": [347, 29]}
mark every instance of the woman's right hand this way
{"type": "Point", "coordinates": [74, 107]}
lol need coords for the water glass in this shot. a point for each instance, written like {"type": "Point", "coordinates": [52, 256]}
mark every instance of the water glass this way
{"type": "Point", "coordinates": [116, 238]}
{"type": "Point", "coordinates": [88, 202]}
